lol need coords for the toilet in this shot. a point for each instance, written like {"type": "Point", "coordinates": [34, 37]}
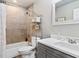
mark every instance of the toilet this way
{"type": "Point", "coordinates": [28, 51]}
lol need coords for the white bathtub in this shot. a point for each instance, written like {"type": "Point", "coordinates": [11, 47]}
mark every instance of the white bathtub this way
{"type": "Point", "coordinates": [12, 49]}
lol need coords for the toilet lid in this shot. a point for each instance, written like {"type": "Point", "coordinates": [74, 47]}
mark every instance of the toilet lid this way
{"type": "Point", "coordinates": [25, 48]}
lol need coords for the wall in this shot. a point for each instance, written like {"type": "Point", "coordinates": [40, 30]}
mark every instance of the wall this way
{"type": "Point", "coordinates": [68, 30]}
{"type": "Point", "coordinates": [16, 24]}
{"type": "Point", "coordinates": [43, 7]}
{"type": "Point", "coordinates": [29, 23]}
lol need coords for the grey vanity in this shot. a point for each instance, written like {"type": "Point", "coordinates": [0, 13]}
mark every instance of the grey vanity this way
{"type": "Point", "coordinates": [44, 51]}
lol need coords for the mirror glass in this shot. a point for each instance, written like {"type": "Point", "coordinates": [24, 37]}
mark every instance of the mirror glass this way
{"type": "Point", "coordinates": [67, 12]}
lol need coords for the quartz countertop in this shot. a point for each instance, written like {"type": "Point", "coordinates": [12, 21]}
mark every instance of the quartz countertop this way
{"type": "Point", "coordinates": [51, 42]}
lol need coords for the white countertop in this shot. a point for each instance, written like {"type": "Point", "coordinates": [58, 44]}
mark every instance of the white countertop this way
{"type": "Point", "coordinates": [51, 42]}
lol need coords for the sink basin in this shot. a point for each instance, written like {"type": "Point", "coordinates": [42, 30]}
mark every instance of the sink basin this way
{"type": "Point", "coordinates": [67, 45]}
{"type": "Point", "coordinates": [48, 40]}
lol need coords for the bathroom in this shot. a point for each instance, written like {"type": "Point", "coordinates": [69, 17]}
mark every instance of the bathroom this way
{"type": "Point", "coordinates": [39, 29]}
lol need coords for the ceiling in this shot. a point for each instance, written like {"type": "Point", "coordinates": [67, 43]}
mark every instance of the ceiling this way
{"type": "Point", "coordinates": [22, 3]}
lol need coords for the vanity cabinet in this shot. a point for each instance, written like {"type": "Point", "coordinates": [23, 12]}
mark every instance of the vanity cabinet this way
{"type": "Point", "coordinates": [44, 51]}
{"type": "Point", "coordinates": [41, 51]}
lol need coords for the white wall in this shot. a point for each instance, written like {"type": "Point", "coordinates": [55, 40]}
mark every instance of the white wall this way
{"type": "Point", "coordinates": [67, 11]}
{"type": "Point", "coordinates": [44, 7]}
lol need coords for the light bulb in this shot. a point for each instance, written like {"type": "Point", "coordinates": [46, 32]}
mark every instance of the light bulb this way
{"type": "Point", "coordinates": [14, 1]}
{"type": "Point", "coordinates": [56, 1]}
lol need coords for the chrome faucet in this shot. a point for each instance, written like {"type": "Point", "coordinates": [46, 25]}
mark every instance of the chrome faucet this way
{"type": "Point", "coordinates": [72, 41]}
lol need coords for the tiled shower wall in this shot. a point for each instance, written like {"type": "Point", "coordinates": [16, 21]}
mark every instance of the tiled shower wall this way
{"type": "Point", "coordinates": [16, 24]}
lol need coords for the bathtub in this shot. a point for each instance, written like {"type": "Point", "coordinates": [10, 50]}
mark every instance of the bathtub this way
{"type": "Point", "coordinates": [12, 49]}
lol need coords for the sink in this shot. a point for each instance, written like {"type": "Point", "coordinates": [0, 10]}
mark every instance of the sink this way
{"type": "Point", "coordinates": [48, 40]}
{"type": "Point", "coordinates": [67, 45]}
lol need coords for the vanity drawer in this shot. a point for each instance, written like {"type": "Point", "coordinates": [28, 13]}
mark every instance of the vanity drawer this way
{"type": "Point", "coordinates": [58, 53]}
{"type": "Point", "coordinates": [48, 52]}
{"type": "Point", "coordinates": [42, 45]}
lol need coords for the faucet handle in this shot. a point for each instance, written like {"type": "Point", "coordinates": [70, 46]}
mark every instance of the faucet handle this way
{"type": "Point", "coordinates": [70, 40]}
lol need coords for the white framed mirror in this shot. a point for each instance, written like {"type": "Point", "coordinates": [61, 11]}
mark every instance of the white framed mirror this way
{"type": "Point", "coordinates": [65, 12]}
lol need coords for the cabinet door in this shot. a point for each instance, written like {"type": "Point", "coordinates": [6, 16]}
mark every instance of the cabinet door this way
{"type": "Point", "coordinates": [41, 51]}
{"type": "Point", "coordinates": [41, 55]}
{"type": "Point", "coordinates": [51, 54]}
